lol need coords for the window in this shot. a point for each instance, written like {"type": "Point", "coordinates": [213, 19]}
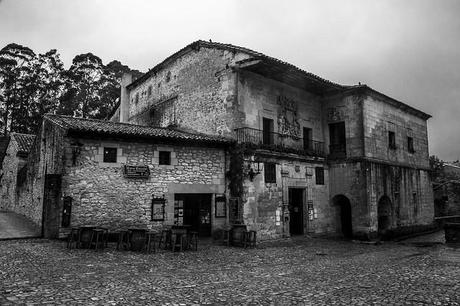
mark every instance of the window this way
{"type": "Point", "coordinates": [307, 139]}
{"type": "Point", "coordinates": [165, 158]}
{"type": "Point", "coordinates": [319, 174]}
{"type": "Point", "coordinates": [136, 99]}
{"type": "Point", "coordinates": [267, 131]}
{"type": "Point", "coordinates": [110, 155]}
{"type": "Point", "coordinates": [337, 140]}
{"type": "Point", "coordinates": [391, 140]}
{"type": "Point", "coordinates": [270, 172]}
{"type": "Point", "coordinates": [410, 144]}
{"type": "Point", "coordinates": [149, 91]}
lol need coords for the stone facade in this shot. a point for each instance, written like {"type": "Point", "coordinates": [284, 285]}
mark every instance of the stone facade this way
{"type": "Point", "coordinates": [225, 92]}
{"type": "Point", "coordinates": [103, 195]}
{"type": "Point", "coordinates": [316, 156]}
{"type": "Point", "coordinates": [383, 182]}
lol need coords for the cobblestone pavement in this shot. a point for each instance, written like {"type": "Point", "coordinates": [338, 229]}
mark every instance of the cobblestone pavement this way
{"type": "Point", "coordinates": [301, 272]}
{"type": "Point", "coordinates": [13, 225]}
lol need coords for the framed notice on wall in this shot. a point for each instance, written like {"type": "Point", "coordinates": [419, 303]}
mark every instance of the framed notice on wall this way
{"type": "Point", "coordinates": [158, 209]}
{"type": "Point", "coordinates": [221, 208]}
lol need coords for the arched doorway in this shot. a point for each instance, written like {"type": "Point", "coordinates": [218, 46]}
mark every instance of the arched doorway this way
{"type": "Point", "coordinates": [384, 214]}
{"type": "Point", "coordinates": [343, 208]}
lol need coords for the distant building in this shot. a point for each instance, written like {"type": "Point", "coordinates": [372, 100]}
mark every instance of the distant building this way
{"type": "Point", "coordinates": [286, 152]}
{"type": "Point", "coordinates": [14, 150]}
{"type": "Point", "coordinates": [447, 191]}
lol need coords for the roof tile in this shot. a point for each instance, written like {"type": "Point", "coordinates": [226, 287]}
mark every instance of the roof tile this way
{"type": "Point", "coordinates": [24, 141]}
{"type": "Point", "coordinates": [116, 129]}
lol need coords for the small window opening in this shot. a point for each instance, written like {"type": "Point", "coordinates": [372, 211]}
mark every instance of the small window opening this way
{"type": "Point", "coordinates": [391, 140]}
{"type": "Point", "coordinates": [410, 145]}
{"type": "Point", "coordinates": [319, 174]}
{"type": "Point", "coordinates": [110, 155]}
{"type": "Point", "coordinates": [270, 172]}
{"type": "Point", "coordinates": [165, 158]}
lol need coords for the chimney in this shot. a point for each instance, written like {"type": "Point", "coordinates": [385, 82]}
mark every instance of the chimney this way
{"type": "Point", "coordinates": [126, 79]}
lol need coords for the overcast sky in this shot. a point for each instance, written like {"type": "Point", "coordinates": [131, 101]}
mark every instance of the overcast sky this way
{"type": "Point", "coordinates": [407, 49]}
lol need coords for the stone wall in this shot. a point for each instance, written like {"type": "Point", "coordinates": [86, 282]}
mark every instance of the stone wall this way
{"type": "Point", "coordinates": [102, 195]}
{"type": "Point", "coordinates": [346, 109]}
{"type": "Point", "coordinates": [409, 191]}
{"type": "Point", "coordinates": [195, 91]}
{"type": "Point", "coordinates": [10, 169]}
{"type": "Point", "coordinates": [366, 184]}
{"type": "Point", "coordinates": [380, 118]}
{"type": "Point", "coordinates": [349, 179]}
{"type": "Point", "coordinates": [266, 204]}
{"type": "Point", "coordinates": [290, 108]}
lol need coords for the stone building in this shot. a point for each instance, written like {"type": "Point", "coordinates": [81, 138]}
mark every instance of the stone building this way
{"type": "Point", "coordinates": [84, 171]}
{"type": "Point", "coordinates": [446, 190]}
{"type": "Point", "coordinates": [14, 159]}
{"type": "Point", "coordinates": [317, 157]}
{"type": "Point", "coordinates": [269, 145]}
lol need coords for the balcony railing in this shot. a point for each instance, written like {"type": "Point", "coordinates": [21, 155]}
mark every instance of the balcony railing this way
{"type": "Point", "coordinates": [337, 151]}
{"type": "Point", "coordinates": [279, 142]}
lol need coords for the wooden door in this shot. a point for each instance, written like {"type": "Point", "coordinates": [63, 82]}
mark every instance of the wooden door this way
{"type": "Point", "coordinates": [51, 206]}
{"type": "Point", "coordinates": [197, 213]}
{"type": "Point", "coordinates": [296, 211]}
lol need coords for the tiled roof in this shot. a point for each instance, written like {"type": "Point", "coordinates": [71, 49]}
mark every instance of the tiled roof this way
{"type": "Point", "coordinates": [255, 54]}
{"type": "Point", "coordinates": [125, 130]}
{"type": "Point", "coordinates": [24, 141]}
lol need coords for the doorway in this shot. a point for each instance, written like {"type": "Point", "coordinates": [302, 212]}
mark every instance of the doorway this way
{"type": "Point", "coordinates": [51, 210]}
{"type": "Point", "coordinates": [296, 211]}
{"type": "Point", "coordinates": [196, 212]}
{"type": "Point", "coordinates": [384, 214]}
{"type": "Point", "coordinates": [343, 208]}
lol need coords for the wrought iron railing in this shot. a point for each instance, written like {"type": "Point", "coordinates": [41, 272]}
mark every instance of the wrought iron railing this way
{"type": "Point", "coordinates": [279, 142]}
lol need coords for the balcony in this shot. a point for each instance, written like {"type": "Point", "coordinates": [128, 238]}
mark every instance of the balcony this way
{"type": "Point", "coordinates": [337, 151]}
{"type": "Point", "coordinates": [279, 142]}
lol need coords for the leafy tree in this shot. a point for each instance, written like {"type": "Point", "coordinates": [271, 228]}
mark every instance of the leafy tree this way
{"type": "Point", "coordinates": [15, 85]}
{"type": "Point", "coordinates": [83, 82]}
{"type": "Point", "coordinates": [32, 85]}
{"type": "Point", "coordinates": [436, 167]}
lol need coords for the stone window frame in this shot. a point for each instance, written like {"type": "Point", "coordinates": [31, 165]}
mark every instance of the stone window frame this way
{"type": "Point", "coordinates": [156, 157]}
{"type": "Point", "coordinates": [99, 157]}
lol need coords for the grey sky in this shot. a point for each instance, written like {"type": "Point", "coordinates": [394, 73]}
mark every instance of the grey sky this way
{"type": "Point", "coordinates": [407, 49]}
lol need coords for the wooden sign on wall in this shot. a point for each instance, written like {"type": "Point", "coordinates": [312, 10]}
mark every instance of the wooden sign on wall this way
{"type": "Point", "coordinates": [136, 171]}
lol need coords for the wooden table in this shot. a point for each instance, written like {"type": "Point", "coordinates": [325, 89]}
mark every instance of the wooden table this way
{"type": "Point", "coordinates": [137, 238]}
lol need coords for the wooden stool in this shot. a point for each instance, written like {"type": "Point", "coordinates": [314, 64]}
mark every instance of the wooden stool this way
{"type": "Point", "coordinates": [250, 239]}
{"type": "Point", "coordinates": [150, 242]}
{"type": "Point", "coordinates": [192, 240]}
{"type": "Point", "coordinates": [178, 239]}
{"type": "Point", "coordinates": [226, 237]}
{"type": "Point", "coordinates": [123, 240]}
{"type": "Point", "coordinates": [98, 238]}
{"type": "Point", "coordinates": [165, 239]}
{"type": "Point", "coordinates": [73, 237]}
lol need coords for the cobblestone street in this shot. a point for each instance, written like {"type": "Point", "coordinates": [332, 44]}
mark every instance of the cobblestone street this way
{"type": "Point", "coordinates": [303, 271]}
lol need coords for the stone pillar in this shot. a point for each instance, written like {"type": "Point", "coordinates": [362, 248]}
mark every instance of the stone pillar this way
{"type": "Point", "coordinates": [126, 79]}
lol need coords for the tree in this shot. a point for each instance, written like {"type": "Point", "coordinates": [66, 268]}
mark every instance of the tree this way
{"type": "Point", "coordinates": [436, 167]}
{"type": "Point", "coordinates": [15, 88]}
{"type": "Point", "coordinates": [83, 83]}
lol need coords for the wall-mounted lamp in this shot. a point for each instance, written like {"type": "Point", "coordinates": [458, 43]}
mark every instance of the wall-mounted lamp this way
{"type": "Point", "coordinates": [254, 168]}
